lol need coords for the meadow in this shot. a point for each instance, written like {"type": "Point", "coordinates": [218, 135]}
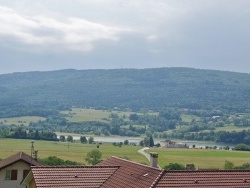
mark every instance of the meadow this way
{"type": "Point", "coordinates": [25, 120]}
{"type": "Point", "coordinates": [82, 114]}
{"type": "Point", "coordinates": [201, 158]}
{"type": "Point", "coordinates": [69, 151]}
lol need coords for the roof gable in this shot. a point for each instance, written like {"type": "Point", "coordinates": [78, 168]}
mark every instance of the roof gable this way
{"type": "Point", "coordinates": [21, 156]}
{"type": "Point", "coordinates": [130, 174]}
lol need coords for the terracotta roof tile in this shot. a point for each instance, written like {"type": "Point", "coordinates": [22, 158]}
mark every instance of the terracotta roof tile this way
{"type": "Point", "coordinates": [75, 176]}
{"type": "Point", "coordinates": [120, 173]}
{"type": "Point", "coordinates": [18, 157]}
{"type": "Point", "coordinates": [205, 179]}
{"type": "Point", "coordinates": [130, 174]}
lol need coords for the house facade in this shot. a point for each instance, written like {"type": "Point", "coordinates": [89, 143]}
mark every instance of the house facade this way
{"type": "Point", "coordinates": [14, 168]}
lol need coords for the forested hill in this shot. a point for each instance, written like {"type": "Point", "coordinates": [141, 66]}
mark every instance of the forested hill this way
{"type": "Point", "coordinates": [125, 88]}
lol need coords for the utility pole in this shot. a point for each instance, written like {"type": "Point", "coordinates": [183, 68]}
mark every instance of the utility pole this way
{"type": "Point", "coordinates": [31, 152]}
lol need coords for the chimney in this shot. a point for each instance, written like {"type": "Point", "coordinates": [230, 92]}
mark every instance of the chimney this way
{"type": "Point", "coordinates": [35, 155]}
{"type": "Point", "coordinates": [153, 159]}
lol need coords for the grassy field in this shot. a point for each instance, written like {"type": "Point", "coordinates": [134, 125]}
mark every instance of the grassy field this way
{"type": "Point", "coordinates": [231, 128]}
{"type": "Point", "coordinates": [189, 118]}
{"type": "Point", "coordinates": [82, 114]}
{"type": "Point", "coordinates": [25, 120]}
{"type": "Point", "coordinates": [72, 151]}
{"type": "Point", "coordinates": [202, 158]}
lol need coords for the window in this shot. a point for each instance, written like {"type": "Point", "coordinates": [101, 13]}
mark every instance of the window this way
{"type": "Point", "coordinates": [8, 175]}
{"type": "Point", "coordinates": [25, 172]}
{"type": "Point", "coordinates": [11, 175]}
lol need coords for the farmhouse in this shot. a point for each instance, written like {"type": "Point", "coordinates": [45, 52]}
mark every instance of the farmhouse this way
{"type": "Point", "coordinates": [14, 168]}
{"type": "Point", "coordinates": [120, 173]}
{"type": "Point", "coordinates": [173, 144]}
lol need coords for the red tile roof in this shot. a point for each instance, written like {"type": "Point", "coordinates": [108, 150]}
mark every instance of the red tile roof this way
{"type": "Point", "coordinates": [120, 173]}
{"type": "Point", "coordinates": [205, 179]}
{"type": "Point", "coordinates": [130, 174]}
{"type": "Point", "coordinates": [74, 176]}
{"type": "Point", "coordinates": [16, 158]}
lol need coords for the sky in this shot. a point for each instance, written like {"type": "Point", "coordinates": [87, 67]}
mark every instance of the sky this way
{"type": "Point", "coordinates": [44, 35]}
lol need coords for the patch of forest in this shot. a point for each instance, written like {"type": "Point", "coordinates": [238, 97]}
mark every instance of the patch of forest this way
{"type": "Point", "coordinates": [167, 124]}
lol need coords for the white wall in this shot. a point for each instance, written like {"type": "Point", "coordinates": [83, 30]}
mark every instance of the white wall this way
{"type": "Point", "coordinates": [19, 166]}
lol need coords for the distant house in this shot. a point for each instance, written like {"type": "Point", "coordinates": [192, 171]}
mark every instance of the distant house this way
{"type": "Point", "coordinates": [215, 117]}
{"type": "Point", "coordinates": [132, 143]}
{"type": "Point", "coordinates": [173, 144]}
{"type": "Point", "coordinates": [14, 168]}
{"type": "Point", "coordinates": [120, 173]}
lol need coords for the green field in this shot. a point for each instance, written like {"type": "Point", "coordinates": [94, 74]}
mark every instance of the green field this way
{"type": "Point", "coordinates": [25, 120]}
{"type": "Point", "coordinates": [201, 158]}
{"type": "Point", "coordinates": [189, 118]}
{"type": "Point", "coordinates": [231, 128]}
{"type": "Point", "coordinates": [81, 114]}
{"type": "Point", "coordinates": [72, 151]}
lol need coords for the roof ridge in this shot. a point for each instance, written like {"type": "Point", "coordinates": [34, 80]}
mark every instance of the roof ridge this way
{"type": "Point", "coordinates": [20, 156]}
{"type": "Point", "coordinates": [109, 176]}
{"type": "Point", "coordinates": [204, 171]}
{"type": "Point", "coordinates": [76, 166]}
{"type": "Point", "coordinates": [157, 179]}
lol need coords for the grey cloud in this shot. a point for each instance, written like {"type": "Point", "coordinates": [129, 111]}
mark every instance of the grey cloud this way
{"type": "Point", "coordinates": [73, 33]}
{"type": "Point", "coordinates": [127, 33]}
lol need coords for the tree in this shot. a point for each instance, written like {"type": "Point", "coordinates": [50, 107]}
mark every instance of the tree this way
{"type": "Point", "coordinates": [91, 140]}
{"type": "Point", "coordinates": [242, 147]}
{"type": "Point", "coordinates": [62, 138]}
{"type": "Point", "coordinates": [36, 136]}
{"type": "Point", "coordinates": [141, 143]}
{"type": "Point", "coordinates": [243, 166]}
{"type": "Point", "coordinates": [133, 117]}
{"type": "Point", "coordinates": [126, 142]}
{"type": "Point", "coordinates": [94, 157]}
{"type": "Point", "coordinates": [226, 148]}
{"type": "Point", "coordinates": [151, 141]}
{"type": "Point", "coordinates": [228, 165]}
{"type": "Point", "coordinates": [174, 166]}
{"type": "Point", "coordinates": [55, 161]}
{"type": "Point", "coordinates": [83, 139]}
{"type": "Point", "coordinates": [70, 138]}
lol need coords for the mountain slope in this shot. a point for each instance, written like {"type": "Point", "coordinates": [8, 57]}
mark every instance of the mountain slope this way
{"type": "Point", "coordinates": [127, 88]}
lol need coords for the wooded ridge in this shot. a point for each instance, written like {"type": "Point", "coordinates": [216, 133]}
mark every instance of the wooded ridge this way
{"type": "Point", "coordinates": [41, 93]}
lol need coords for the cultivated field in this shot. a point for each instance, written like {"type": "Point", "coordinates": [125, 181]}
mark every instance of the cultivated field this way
{"type": "Point", "coordinates": [25, 120]}
{"type": "Point", "coordinates": [204, 159]}
{"type": "Point", "coordinates": [83, 114]}
{"type": "Point", "coordinates": [201, 158]}
{"type": "Point", "coordinates": [68, 151]}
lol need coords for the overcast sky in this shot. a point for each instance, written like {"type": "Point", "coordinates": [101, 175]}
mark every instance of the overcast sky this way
{"type": "Point", "coordinates": [106, 34]}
